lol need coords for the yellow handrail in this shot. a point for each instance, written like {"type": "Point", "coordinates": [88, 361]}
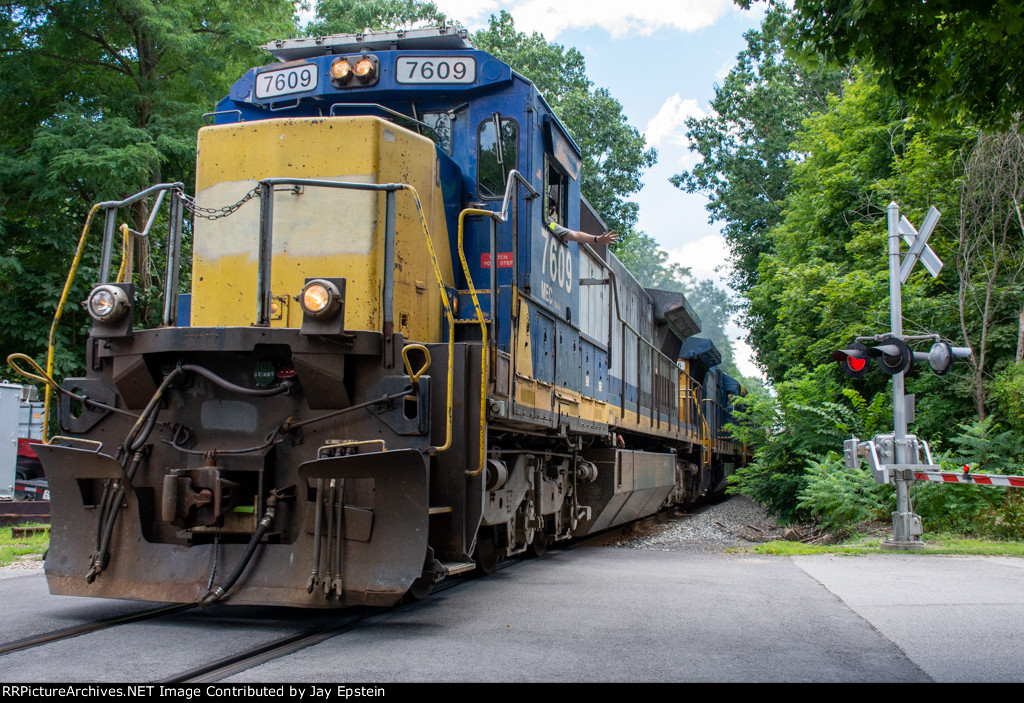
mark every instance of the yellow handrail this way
{"type": "Point", "coordinates": [52, 339]}
{"type": "Point", "coordinates": [706, 438]}
{"type": "Point", "coordinates": [483, 330]}
{"type": "Point", "coordinates": [451, 321]}
{"type": "Point", "coordinates": [511, 188]}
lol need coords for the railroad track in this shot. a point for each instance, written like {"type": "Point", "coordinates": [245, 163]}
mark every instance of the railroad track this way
{"type": "Point", "coordinates": [233, 664]}
{"type": "Point", "coordinates": [85, 628]}
{"type": "Point", "coordinates": [325, 629]}
{"type": "Point", "coordinates": [336, 624]}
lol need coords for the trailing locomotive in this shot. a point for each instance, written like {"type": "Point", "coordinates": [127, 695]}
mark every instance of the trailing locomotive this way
{"type": "Point", "coordinates": [387, 370]}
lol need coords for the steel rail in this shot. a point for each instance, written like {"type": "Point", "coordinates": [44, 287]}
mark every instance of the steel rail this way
{"type": "Point", "coordinates": [76, 630]}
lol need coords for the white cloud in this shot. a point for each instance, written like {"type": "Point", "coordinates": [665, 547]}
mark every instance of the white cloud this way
{"type": "Point", "coordinates": [723, 70]}
{"type": "Point", "coordinates": [669, 125]}
{"type": "Point", "coordinates": [668, 128]}
{"type": "Point", "coordinates": [472, 13]}
{"type": "Point", "coordinates": [617, 18]}
{"type": "Point", "coordinates": [703, 256]}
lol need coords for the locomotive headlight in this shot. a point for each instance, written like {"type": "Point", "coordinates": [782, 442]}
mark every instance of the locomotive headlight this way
{"type": "Point", "coordinates": [365, 70]}
{"type": "Point", "coordinates": [320, 299]}
{"type": "Point", "coordinates": [341, 71]}
{"type": "Point", "coordinates": [107, 303]}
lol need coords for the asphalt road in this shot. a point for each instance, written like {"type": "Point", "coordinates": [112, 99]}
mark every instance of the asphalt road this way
{"type": "Point", "coordinates": [603, 614]}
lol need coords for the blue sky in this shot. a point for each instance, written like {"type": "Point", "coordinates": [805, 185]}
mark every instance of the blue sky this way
{"type": "Point", "coordinates": [661, 60]}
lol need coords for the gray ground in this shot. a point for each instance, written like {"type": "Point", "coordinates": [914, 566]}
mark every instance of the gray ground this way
{"type": "Point", "coordinates": [665, 603]}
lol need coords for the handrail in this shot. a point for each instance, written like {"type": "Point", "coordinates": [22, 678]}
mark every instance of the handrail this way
{"type": "Point", "coordinates": [690, 393]}
{"type": "Point", "coordinates": [514, 178]}
{"type": "Point", "coordinates": [706, 439]}
{"type": "Point", "coordinates": [111, 206]}
{"type": "Point", "coordinates": [451, 321]}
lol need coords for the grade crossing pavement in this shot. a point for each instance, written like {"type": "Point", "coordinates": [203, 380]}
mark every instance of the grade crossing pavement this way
{"type": "Point", "coordinates": [608, 614]}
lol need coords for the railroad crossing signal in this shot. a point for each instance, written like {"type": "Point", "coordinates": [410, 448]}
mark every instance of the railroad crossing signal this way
{"type": "Point", "coordinates": [853, 360]}
{"type": "Point", "coordinates": [899, 455]}
{"type": "Point", "coordinates": [894, 356]}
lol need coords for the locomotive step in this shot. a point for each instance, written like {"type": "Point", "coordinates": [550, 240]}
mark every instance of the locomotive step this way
{"type": "Point", "coordinates": [457, 567]}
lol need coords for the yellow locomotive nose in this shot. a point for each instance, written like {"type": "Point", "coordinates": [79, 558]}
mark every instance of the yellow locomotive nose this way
{"type": "Point", "coordinates": [317, 232]}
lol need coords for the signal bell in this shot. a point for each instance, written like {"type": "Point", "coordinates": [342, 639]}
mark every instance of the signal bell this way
{"type": "Point", "coordinates": [941, 356]}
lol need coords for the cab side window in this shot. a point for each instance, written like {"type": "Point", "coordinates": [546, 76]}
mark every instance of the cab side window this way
{"type": "Point", "coordinates": [556, 193]}
{"type": "Point", "coordinates": [494, 159]}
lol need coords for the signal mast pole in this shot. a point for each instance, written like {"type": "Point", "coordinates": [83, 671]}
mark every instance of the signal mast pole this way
{"type": "Point", "coordinates": [898, 457]}
{"type": "Point", "coordinates": [902, 535]}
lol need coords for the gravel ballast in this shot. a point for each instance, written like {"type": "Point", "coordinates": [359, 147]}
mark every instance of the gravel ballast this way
{"type": "Point", "coordinates": [734, 522]}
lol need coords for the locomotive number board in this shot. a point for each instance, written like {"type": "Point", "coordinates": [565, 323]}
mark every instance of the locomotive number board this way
{"type": "Point", "coordinates": [285, 81]}
{"type": "Point", "coordinates": [435, 69]}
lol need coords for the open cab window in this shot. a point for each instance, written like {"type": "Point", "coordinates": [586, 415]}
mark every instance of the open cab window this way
{"type": "Point", "coordinates": [556, 193]}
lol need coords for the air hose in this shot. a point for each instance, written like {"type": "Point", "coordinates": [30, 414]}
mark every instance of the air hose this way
{"type": "Point", "coordinates": [268, 517]}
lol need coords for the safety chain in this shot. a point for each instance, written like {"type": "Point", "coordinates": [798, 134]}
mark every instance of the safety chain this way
{"type": "Point", "coordinates": [215, 213]}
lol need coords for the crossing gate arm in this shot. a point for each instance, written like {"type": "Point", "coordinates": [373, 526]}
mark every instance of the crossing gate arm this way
{"type": "Point", "coordinates": [854, 450]}
{"type": "Point", "coordinates": [966, 477]}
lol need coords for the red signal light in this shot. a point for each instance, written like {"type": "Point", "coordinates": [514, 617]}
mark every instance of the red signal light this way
{"type": "Point", "coordinates": [853, 360]}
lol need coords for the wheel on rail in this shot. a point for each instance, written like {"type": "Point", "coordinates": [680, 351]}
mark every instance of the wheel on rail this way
{"type": "Point", "coordinates": [539, 546]}
{"type": "Point", "coordinates": [420, 589]}
{"type": "Point", "coordinates": [487, 557]}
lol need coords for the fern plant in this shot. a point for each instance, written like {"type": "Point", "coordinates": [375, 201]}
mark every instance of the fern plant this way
{"type": "Point", "coordinates": [984, 447]}
{"type": "Point", "coordinates": [841, 496]}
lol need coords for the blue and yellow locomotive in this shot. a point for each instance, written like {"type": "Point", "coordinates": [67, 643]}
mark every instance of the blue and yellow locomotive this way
{"type": "Point", "coordinates": [387, 370]}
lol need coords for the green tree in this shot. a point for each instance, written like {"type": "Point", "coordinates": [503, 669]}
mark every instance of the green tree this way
{"type": "Point", "coordinates": [990, 253]}
{"type": "Point", "coordinates": [101, 99]}
{"type": "Point", "coordinates": [354, 16]}
{"type": "Point", "coordinates": [827, 280]}
{"type": "Point", "coordinates": [948, 57]}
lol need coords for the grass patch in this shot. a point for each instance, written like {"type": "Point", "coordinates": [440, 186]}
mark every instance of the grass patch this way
{"type": "Point", "coordinates": [14, 549]}
{"type": "Point", "coordinates": [871, 544]}
{"type": "Point", "coordinates": [785, 549]}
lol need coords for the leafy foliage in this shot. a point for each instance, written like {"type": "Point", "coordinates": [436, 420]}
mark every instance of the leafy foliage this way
{"type": "Point", "coordinates": [949, 57]}
{"type": "Point", "coordinates": [798, 426]}
{"type": "Point", "coordinates": [983, 510]}
{"type": "Point", "coordinates": [745, 143]}
{"type": "Point", "coordinates": [354, 16]}
{"type": "Point", "coordinates": [842, 497]}
{"type": "Point", "coordinates": [101, 99]}
{"type": "Point", "coordinates": [1008, 390]}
